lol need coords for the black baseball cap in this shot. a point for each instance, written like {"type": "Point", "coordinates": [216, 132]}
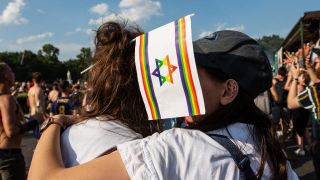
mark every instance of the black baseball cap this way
{"type": "Point", "coordinates": [238, 56]}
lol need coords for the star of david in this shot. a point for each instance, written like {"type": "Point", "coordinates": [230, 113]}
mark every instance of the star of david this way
{"type": "Point", "coordinates": [171, 68]}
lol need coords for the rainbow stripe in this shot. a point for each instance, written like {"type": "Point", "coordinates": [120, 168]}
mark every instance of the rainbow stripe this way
{"type": "Point", "coordinates": [184, 67]}
{"type": "Point", "coordinates": [146, 77]}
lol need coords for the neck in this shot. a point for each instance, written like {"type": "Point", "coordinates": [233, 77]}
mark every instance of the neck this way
{"type": "Point", "coordinates": [36, 84]}
{"type": "Point", "coordinates": [4, 89]}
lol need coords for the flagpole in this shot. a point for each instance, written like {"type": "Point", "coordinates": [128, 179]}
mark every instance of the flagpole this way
{"type": "Point", "coordinates": [87, 69]}
{"type": "Point", "coordinates": [22, 58]}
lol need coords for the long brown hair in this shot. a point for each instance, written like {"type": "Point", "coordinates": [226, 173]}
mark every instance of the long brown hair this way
{"type": "Point", "coordinates": [113, 84]}
{"type": "Point", "coordinates": [243, 109]}
{"type": "Point", "coordinates": [3, 67]}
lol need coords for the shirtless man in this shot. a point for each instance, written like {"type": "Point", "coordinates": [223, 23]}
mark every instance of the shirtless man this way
{"type": "Point", "coordinates": [12, 126]}
{"type": "Point", "coordinates": [53, 95]}
{"type": "Point", "coordinates": [36, 96]}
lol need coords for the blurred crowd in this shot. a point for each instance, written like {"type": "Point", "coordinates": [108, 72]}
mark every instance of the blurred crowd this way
{"type": "Point", "coordinates": [61, 97]}
{"type": "Point", "coordinates": [293, 102]}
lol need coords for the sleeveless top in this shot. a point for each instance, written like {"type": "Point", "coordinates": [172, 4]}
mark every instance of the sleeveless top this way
{"type": "Point", "coordinates": [89, 139]}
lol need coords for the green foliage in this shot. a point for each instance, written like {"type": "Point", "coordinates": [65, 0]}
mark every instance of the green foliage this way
{"type": "Point", "coordinates": [46, 61]}
{"type": "Point", "coordinates": [77, 65]}
{"type": "Point", "coordinates": [270, 43]}
{"type": "Point", "coordinates": [49, 53]}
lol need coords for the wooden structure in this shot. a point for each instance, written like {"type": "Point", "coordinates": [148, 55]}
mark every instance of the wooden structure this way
{"type": "Point", "coordinates": [305, 30]}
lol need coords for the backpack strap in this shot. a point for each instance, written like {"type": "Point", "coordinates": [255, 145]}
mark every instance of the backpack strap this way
{"type": "Point", "coordinates": [240, 159]}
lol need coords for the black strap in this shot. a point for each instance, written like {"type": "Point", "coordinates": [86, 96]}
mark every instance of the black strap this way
{"type": "Point", "coordinates": [242, 161]}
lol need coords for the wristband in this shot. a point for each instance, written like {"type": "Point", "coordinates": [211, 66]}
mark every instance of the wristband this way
{"type": "Point", "coordinates": [48, 122]}
{"type": "Point", "coordinates": [57, 123]}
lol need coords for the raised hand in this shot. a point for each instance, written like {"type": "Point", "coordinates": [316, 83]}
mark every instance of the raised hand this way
{"type": "Point", "coordinates": [295, 70]}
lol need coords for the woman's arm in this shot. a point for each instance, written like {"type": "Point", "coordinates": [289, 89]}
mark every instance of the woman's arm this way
{"type": "Point", "coordinates": [47, 162]}
{"type": "Point", "coordinates": [288, 82]}
{"type": "Point", "coordinates": [273, 91]}
{"type": "Point", "coordinates": [293, 102]}
{"type": "Point", "coordinates": [310, 71]}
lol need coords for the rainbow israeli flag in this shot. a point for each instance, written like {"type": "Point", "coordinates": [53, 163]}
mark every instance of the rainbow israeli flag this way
{"type": "Point", "coordinates": [167, 72]}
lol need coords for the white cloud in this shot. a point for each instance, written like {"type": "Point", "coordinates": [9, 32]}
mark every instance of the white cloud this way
{"type": "Point", "coordinates": [69, 50]}
{"type": "Point", "coordinates": [222, 26]}
{"type": "Point", "coordinates": [98, 21]}
{"type": "Point", "coordinates": [34, 38]}
{"type": "Point", "coordinates": [100, 9]}
{"type": "Point", "coordinates": [12, 13]}
{"type": "Point", "coordinates": [80, 30]}
{"type": "Point", "coordinates": [89, 31]}
{"type": "Point", "coordinates": [129, 3]}
{"type": "Point", "coordinates": [69, 47]}
{"type": "Point", "coordinates": [41, 11]}
{"type": "Point", "coordinates": [133, 10]}
{"type": "Point", "coordinates": [139, 10]}
{"type": "Point", "coordinates": [204, 34]}
{"type": "Point", "coordinates": [77, 30]}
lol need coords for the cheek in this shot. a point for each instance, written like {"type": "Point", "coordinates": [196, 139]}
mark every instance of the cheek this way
{"type": "Point", "coordinates": [211, 90]}
{"type": "Point", "coordinates": [211, 94]}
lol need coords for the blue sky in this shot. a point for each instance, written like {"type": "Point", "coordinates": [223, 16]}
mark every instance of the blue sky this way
{"type": "Point", "coordinates": [68, 24]}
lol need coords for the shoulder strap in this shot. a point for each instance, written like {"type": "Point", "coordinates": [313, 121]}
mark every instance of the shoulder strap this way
{"type": "Point", "coordinates": [240, 159]}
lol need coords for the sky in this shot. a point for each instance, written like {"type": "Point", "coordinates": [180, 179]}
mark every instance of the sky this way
{"type": "Point", "coordinates": [70, 24]}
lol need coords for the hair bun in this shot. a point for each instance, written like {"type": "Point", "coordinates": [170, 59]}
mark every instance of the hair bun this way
{"type": "Point", "coordinates": [108, 33]}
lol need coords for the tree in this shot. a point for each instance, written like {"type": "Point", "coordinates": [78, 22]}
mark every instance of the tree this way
{"type": "Point", "coordinates": [77, 65]}
{"type": "Point", "coordinates": [272, 42]}
{"type": "Point", "coordinates": [85, 55]}
{"type": "Point", "coordinates": [46, 61]}
{"type": "Point", "coordinates": [50, 53]}
{"type": "Point", "coordinates": [270, 45]}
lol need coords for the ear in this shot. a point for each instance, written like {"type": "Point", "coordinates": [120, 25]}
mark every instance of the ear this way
{"type": "Point", "coordinates": [230, 92]}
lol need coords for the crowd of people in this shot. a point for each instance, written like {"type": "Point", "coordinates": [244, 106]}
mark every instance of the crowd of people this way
{"type": "Point", "coordinates": [23, 108]}
{"type": "Point", "coordinates": [100, 130]}
{"type": "Point", "coordinates": [59, 97]}
{"type": "Point", "coordinates": [293, 100]}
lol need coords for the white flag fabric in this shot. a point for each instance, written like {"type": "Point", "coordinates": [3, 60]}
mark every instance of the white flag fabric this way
{"type": "Point", "coordinates": [167, 73]}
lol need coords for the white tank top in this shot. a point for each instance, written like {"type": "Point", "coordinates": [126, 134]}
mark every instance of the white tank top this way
{"type": "Point", "coordinates": [89, 139]}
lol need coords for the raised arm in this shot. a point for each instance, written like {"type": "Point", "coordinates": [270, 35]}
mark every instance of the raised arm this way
{"type": "Point", "coordinates": [288, 82]}
{"type": "Point", "coordinates": [293, 102]}
{"type": "Point", "coordinates": [47, 162]}
{"type": "Point", "coordinates": [275, 95]}
{"type": "Point", "coordinates": [311, 72]}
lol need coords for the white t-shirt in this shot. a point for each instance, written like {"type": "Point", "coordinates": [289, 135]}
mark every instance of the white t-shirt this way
{"type": "Point", "coordinates": [89, 139]}
{"type": "Point", "coordinates": [190, 154]}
